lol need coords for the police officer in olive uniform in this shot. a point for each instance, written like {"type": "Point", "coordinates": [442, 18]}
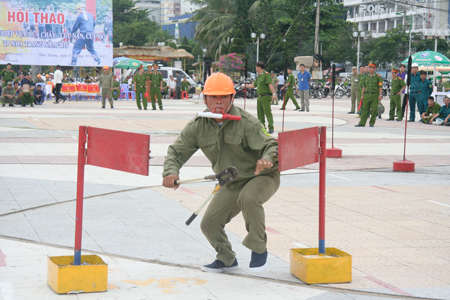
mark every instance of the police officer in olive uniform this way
{"type": "Point", "coordinates": [264, 89]}
{"type": "Point", "coordinates": [106, 83]}
{"type": "Point", "coordinates": [356, 95]}
{"type": "Point", "coordinates": [290, 84]}
{"type": "Point", "coordinates": [156, 86]}
{"type": "Point", "coordinates": [371, 96]}
{"type": "Point", "coordinates": [7, 75]}
{"type": "Point", "coordinates": [244, 144]}
{"type": "Point", "coordinates": [116, 88]}
{"type": "Point", "coordinates": [362, 74]}
{"type": "Point", "coordinates": [139, 87]}
{"type": "Point", "coordinates": [397, 87]}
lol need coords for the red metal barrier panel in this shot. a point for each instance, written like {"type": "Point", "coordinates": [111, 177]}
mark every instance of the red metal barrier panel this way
{"type": "Point", "coordinates": [298, 148]}
{"type": "Point", "coordinates": [118, 150]}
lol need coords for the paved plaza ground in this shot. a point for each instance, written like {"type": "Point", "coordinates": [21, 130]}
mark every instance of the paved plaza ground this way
{"type": "Point", "coordinates": [396, 226]}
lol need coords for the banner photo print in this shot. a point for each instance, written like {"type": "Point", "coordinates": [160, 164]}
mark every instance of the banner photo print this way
{"type": "Point", "coordinates": [56, 32]}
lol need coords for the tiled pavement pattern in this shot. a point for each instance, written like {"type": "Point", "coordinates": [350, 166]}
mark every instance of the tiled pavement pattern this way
{"type": "Point", "coordinates": [396, 226]}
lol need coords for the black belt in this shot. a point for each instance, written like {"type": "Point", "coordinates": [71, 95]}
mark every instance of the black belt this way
{"type": "Point", "coordinates": [141, 86]}
{"type": "Point", "coordinates": [371, 93]}
{"type": "Point", "coordinates": [263, 95]}
{"type": "Point", "coordinates": [155, 85]}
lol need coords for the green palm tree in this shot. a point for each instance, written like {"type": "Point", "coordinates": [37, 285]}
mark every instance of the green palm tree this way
{"type": "Point", "coordinates": [159, 36]}
{"type": "Point", "coordinates": [216, 21]}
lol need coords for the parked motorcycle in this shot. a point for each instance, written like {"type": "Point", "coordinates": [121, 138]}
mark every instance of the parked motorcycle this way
{"type": "Point", "coordinates": [315, 90]}
{"type": "Point", "coordinates": [327, 89]}
{"type": "Point", "coordinates": [386, 88]}
{"type": "Point", "coordinates": [340, 90]}
{"type": "Point", "coordinates": [240, 90]}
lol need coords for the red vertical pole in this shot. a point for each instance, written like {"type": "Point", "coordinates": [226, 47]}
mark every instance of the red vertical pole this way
{"type": "Point", "coordinates": [322, 174]}
{"type": "Point", "coordinates": [80, 190]}
{"type": "Point", "coordinates": [406, 126]}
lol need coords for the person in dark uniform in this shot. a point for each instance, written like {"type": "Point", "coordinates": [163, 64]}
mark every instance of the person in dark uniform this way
{"type": "Point", "coordinates": [85, 23]}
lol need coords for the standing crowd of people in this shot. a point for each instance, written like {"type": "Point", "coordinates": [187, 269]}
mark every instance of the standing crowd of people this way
{"type": "Point", "coordinates": [367, 87]}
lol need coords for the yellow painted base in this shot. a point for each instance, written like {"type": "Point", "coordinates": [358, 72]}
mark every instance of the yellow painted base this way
{"type": "Point", "coordinates": [310, 267]}
{"type": "Point", "coordinates": [63, 277]}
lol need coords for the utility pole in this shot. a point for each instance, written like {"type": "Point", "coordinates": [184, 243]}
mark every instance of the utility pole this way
{"type": "Point", "coordinates": [316, 36]}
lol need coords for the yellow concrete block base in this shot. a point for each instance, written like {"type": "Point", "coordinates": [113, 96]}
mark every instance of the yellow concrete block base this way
{"type": "Point", "coordinates": [310, 267]}
{"type": "Point", "coordinates": [63, 277]}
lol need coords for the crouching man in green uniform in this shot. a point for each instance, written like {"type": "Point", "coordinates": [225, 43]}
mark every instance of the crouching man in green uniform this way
{"type": "Point", "coordinates": [371, 95]}
{"type": "Point", "coordinates": [433, 108]}
{"type": "Point", "coordinates": [244, 144]}
{"type": "Point", "coordinates": [8, 95]}
{"type": "Point", "coordinates": [27, 96]}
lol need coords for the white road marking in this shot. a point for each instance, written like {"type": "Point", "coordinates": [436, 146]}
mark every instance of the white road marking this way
{"type": "Point", "coordinates": [35, 119]}
{"type": "Point", "coordinates": [340, 177]}
{"type": "Point", "coordinates": [439, 203]}
{"type": "Point", "coordinates": [6, 291]}
{"type": "Point", "coordinates": [300, 245]}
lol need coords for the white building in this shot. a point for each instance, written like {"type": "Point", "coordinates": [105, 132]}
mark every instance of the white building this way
{"type": "Point", "coordinates": [188, 8]}
{"type": "Point", "coordinates": [169, 9]}
{"type": "Point", "coordinates": [154, 9]}
{"type": "Point", "coordinates": [375, 17]}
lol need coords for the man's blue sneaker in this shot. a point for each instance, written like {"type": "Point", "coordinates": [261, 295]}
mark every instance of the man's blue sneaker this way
{"type": "Point", "coordinates": [218, 267]}
{"type": "Point", "coordinates": [258, 262]}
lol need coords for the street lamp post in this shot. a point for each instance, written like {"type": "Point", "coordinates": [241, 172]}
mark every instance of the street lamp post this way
{"type": "Point", "coordinates": [357, 34]}
{"type": "Point", "coordinates": [410, 29]}
{"type": "Point", "coordinates": [262, 36]}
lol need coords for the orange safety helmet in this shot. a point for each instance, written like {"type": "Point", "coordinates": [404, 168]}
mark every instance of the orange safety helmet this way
{"type": "Point", "coordinates": [105, 68]}
{"type": "Point", "coordinates": [219, 84]}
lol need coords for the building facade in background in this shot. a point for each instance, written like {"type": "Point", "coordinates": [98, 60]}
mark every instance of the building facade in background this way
{"type": "Point", "coordinates": [179, 27]}
{"type": "Point", "coordinates": [153, 7]}
{"type": "Point", "coordinates": [376, 17]}
{"type": "Point", "coordinates": [170, 9]}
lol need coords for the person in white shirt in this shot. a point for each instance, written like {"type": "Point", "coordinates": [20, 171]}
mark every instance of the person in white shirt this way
{"type": "Point", "coordinates": [58, 77]}
{"type": "Point", "coordinates": [172, 86]}
{"type": "Point", "coordinates": [280, 85]}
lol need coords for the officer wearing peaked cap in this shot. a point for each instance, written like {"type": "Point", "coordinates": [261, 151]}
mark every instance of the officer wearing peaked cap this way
{"type": "Point", "coordinates": [139, 87]}
{"type": "Point", "coordinates": [371, 96]}
{"type": "Point", "coordinates": [397, 87]}
{"type": "Point", "coordinates": [156, 86]}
